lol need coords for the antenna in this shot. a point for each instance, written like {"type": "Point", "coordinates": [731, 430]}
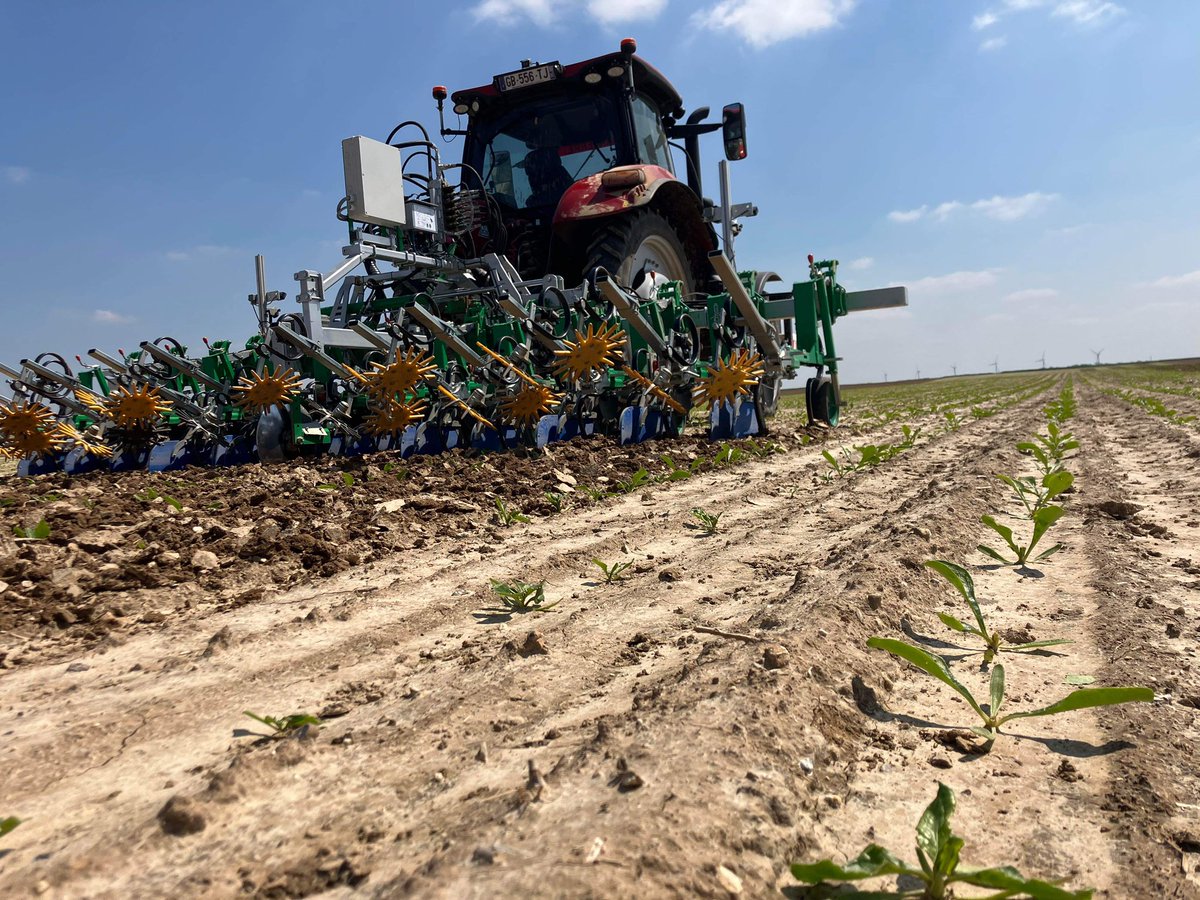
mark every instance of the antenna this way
{"type": "Point", "coordinates": [996, 365]}
{"type": "Point", "coordinates": [1097, 355]}
{"type": "Point", "coordinates": [1042, 360]}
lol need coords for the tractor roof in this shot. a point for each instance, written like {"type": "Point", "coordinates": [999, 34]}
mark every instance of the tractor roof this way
{"type": "Point", "coordinates": [648, 80]}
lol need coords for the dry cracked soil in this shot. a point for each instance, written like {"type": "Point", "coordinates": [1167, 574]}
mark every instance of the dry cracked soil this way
{"type": "Point", "coordinates": [688, 730]}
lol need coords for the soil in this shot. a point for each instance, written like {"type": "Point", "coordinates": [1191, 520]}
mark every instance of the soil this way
{"type": "Point", "coordinates": [690, 730]}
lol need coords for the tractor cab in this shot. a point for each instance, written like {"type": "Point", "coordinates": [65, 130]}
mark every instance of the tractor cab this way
{"type": "Point", "coordinates": [560, 156]}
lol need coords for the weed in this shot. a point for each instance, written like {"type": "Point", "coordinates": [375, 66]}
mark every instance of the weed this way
{"type": "Point", "coordinates": [150, 495]}
{"type": "Point", "coordinates": [708, 521]}
{"type": "Point", "coordinates": [938, 850]}
{"type": "Point", "coordinates": [38, 532]}
{"type": "Point", "coordinates": [507, 515]}
{"type": "Point", "coordinates": [286, 724]}
{"type": "Point", "coordinates": [615, 572]}
{"type": "Point", "coordinates": [965, 585]}
{"type": "Point", "coordinates": [523, 596]}
{"type": "Point", "coordinates": [1084, 698]}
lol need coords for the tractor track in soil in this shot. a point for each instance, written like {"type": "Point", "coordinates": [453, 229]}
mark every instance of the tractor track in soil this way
{"type": "Point", "coordinates": [658, 751]}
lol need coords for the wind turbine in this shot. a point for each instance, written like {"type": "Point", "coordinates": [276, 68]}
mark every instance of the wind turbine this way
{"type": "Point", "coordinates": [1097, 353]}
{"type": "Point", "coordinates": [955, 370]}
{"type": "Point", "coordinates": [996, 365]}
{"type": "Point", "coordinates": [918, 373]}
{"type": "Point", "coordinates": [1042, 360]}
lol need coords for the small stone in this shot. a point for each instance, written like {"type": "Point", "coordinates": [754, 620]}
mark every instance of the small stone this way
{"type": "Point", "coordinates": [390, 506]}
{"type": "Point", "coordinates": [940, 762]}
{"type": "Point", "coordinates": [484, 856]}
{"type": "Point", "coordinates": [154, 616]}
{"type": "Point", "coordinates": [534, 645]}
{"type": "Point", "coordinates": [64, 618]}
{"type": "Point", "coordinates": [481, 755]}
{"type": "Point", "coordinates": [219, 642]}
{"type": "Point", "coordinates": [78, 667]}
{"type": "Point", "coordinates": [169, 558]}
{"type": "Point", "coordinates": [728, 880]}
{"type": "Point", "coordinates": [181, 816]}
{"type": "Point", "coordinates": [775, 657]}
{"type": "Point", "coordinates": [3, 586]}
{"type": "Point", "coordinates": [205, 560]}
{"type": "Point", "coordinates": [1173, 630]}
{"type": "Point", "coordinates": [806, 765]}
{"type": "Point", "coordinates": [874, 600]}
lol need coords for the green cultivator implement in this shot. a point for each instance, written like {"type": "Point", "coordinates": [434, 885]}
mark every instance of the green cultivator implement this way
{"type": "Point", "coordinates": [569, 284]}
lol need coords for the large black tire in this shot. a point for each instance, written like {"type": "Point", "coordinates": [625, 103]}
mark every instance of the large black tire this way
{"type": "Point", "coordinates": [626, 244]}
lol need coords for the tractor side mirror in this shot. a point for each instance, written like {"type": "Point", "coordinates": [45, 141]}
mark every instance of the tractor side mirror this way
{"type": "Point", "coordinates": [733, 130]}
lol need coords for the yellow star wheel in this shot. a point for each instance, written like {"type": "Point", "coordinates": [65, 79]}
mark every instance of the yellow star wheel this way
{"type": "Point", "coordinates": [397, 378]}
{"type": "Point", "coordinates": [533, 401]}
{"type": "Point", "coordinates": [94, 402]}
{"type": "Point", "coordinates": [598, 349]}
{"type": "Point", "coordinates": [391, 417]}
{"type": "Point", "coordinates": [259, 392]}
{"type": "Point", "coordinates": [730, 379]}
{"type": "Point", "coordinates": [137, 407]}
{"type": "Point", "coordinates": [83, 441]}
{"type": "Point", "coordinates": [35, 442]}
{"type": "Point", "coordinates": [18, 419]}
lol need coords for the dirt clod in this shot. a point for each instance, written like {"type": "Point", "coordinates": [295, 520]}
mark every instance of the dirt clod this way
{"type": "Point", "coordinates": [181, 816]}
{"type": "Point", "coordinates": [775, 657]}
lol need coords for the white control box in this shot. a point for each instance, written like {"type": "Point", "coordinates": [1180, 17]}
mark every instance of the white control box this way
{"type": "Point", "coordinates": [374, 181]}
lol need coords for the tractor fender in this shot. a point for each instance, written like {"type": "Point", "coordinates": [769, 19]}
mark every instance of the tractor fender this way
{"type": "Point", "coordinates": [631, 187]}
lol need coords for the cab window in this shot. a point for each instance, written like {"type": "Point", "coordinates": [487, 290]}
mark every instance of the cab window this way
{"type": "Point", "coordinates": [648, 132]}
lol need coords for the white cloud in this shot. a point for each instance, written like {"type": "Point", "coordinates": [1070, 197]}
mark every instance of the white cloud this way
{"type": "Point", "coordinates": [993, 44]}
{"type": "Point", "coordinates": [17, 174]}
{"type": "Point", "coordinates": [1009, 209]}
{"type": "Point", "coordinates": [910, 215]}
{"type": "Point", "coordinates": [547, 12]}
{"type": "Point", "coordinates": [1031, 295]}
{"type": "Point", "coordinates": [108, 317]}
{"type": "Point", "coordinates": [954, 283]}
{"type": "Point", "coordinates": [614, 12]}
{"type": "Point", "coordinates": [861, 264]}
{"type": "Point", "coordinates": [1005, 209]}
{"type": "Point", "coordinates": [1088, 12]}
{"type": "Point", "coordinates": [984, 20]}
{"type": "Point", "coordinates": [764, 22]}
{"type": "Point", "coordinates": [1188, 279]}
{"type": "Point", "coordinates": [200, 251]}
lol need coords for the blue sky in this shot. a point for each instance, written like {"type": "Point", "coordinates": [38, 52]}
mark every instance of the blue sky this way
{"type": "Point", "coordinates": [1029, 168]}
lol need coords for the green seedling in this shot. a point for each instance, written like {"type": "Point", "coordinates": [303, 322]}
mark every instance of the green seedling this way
{"type": "Point", "coordinates": [1042, 520]}
{"type": "Point", "coordinates": [708, 521]}
{"type": "Point", "coordinates": [728, 455]}
{"type": "Point", "coordinates": [522, 596]}
{"type": "Point", "coordinates": [761, 449]}
{"type": "Point", "coordinates": [38, 532]}
{"type": "Point", "coordinates": [638, 479]}
{"type": "Point", "coordinates": [286, 724]}
{"type": "Point", "coordinates": [994, 643]}
{"type": "Point", "coordinates": [555, 499]}
{"type": "Point", "coordinates": [678, 472]}
{"type": "Point", "coordinates": [347, 479]}
{"type": "Point", "coordinates": [938, 850]}
{"type": "Point", "coordinates": [1049, 451]}
{"type": "Point", "coordinates": [1035, 493]}
{"type": "Point", "coordinates": [953, 420]}
{"type": "Point", "coordinates": [7, 825]}
{"type": "Point", "coordinates": [593, 493]}
{"type": "Point", "coordinates": [1084, 698]}
{"type": "Point", "coordinates": [615, 572]}
{"type": "Point", "coordinates": [507, 515]}
{"type": "Point", "coordinates": [150, 495]}
{"type": "Point", "coordinates": [982, 412]}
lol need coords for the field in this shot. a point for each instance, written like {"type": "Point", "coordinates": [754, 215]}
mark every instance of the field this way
{"type": "Point", "coordinates": [692, 727]}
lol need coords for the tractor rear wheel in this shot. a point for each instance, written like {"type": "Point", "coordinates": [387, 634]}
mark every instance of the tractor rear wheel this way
{"type": "Point", "coordinates": [635, 243]}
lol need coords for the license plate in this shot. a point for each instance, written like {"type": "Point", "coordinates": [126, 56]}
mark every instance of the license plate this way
{"type": "Point", "coordinates": [523, 78]}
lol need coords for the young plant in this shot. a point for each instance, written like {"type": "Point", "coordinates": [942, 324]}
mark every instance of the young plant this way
{"type": "Point", "coordinates": [728, 455]}
{"type": "Point", "coordinates": [615, 572]}
{"type": "Point", "coordinates": [1034, 493]}
{"type": "Point", "coordinates": [1049, 451]}
{"type": "Point", "coordinates": [38, 532]}
{"type": "Point", "coordinates": [938, 850]}
{"type": "Point", "coordinates": [593, 493]}
{"type": "Point", "coordinates": [1084, 698]}
{"type": "Point", "coordinates": [7, 825]}
{"type": "Point", "coordinates": [507, 515]}
{"type": "Point", "coordinates": [993, 642]}
{"type": "Point", "coordinates": [522, 596]}
{"type": "Point", "coordinates": [708, 521]}
{"type": "Point", "coordinates": [555, 499]}
{"type": "Point", "coordinates": [638, 479]}
{"type": "Point", "coordinates": [286, 724]}
{"type": "Point", "coordinates": [1042, 519]}
{"type": "Point", "coordinates": [678, 472]}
